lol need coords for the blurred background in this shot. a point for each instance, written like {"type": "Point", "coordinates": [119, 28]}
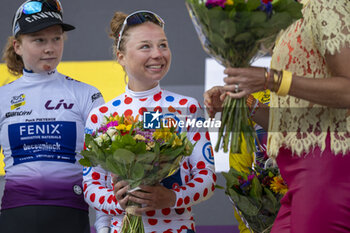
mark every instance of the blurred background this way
{"type": "Point", "coordinates": [88, 57]}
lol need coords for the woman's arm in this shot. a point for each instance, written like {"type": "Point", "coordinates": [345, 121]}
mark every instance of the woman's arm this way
{"type": "Point", "coordinates": [331, 92]}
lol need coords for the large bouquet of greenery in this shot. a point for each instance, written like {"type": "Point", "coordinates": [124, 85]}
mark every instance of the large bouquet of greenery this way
{"type": "Point", "coordinates": [140, 156]}
{"type": "Point", "coordinates": [235, 32]}
{"type": "Point", "coordinates": [256, 196]}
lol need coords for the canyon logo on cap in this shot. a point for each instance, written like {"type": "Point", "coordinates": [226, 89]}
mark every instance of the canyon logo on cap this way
{"type": "Point", "coordinates": [33, 16]}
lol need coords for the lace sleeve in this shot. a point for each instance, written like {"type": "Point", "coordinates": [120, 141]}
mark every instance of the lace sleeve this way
{"type": "Point", "coordinates": [329, 22]}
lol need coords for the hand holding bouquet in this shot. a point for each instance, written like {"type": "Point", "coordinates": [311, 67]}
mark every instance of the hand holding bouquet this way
{"type": "Point", "coordinates": [135, 154]}
{"type": "Point", "coordinates": [256, 196]}
{"type": "Point", "coordinates": [235, 32]}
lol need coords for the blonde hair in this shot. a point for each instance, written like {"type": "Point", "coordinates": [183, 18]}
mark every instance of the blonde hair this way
{"type": "Point", "coordinates": [13, 61]}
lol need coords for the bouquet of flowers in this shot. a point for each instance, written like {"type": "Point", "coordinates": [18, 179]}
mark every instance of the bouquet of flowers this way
{"type": "Point", "coordinates": [256, 196]}
{"type": "Point", "coordinates": [235, 32]}
{"type": "Point", "coordinates": [137, 155]}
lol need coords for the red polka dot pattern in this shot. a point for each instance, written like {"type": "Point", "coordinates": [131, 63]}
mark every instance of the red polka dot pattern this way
{"type": "Point", "coordinates": [92, 197]}
{"type": "Point", "coordinates": [143, 100]}
{"type": "Point", "coordinates": [103, 109]}
{"type": "Point", "coordinates": [180, 211]}
{"type": "Point", "coordinates": [158, 96]}
{"type": "Point", "coordinates": [142, 110]}
{"type": "Point", "coordinates": [152, 221]}
{"type": "Point", "coordinates": [94, 118]}
{"type": "Point", "coordinates": [179, 202]}
{"type": "Point", "coordinates": [205, 193]}
{"type": "Point", "coordinates": [191, 185]}
{"type": "Point", "coordinates": [128, 100]}
{"type": "Point", "coordinates": [101, 200]}
{"type": "Point", "coordinates": [207, 136]}
{"type": "Point", "coordinates": [158, 108]}
{"type": "Point", "coordinates": [110, 199]}
{"type": "Point", "coordinates": [185, 165]}
{"type": "Point", "coordinates": [196, 197]}
{"type": "Point", "coordinates": [200, 165]}
{"type": "Point", "coordinates": [183, 101]}
{"type": "Point", "coordinates": [193, 109]}
{"type": "Point", "coordinates": [187, 200]}
{"type": "Point", "coordinates": [214, 177]}
{"type": "Point", "coordinates": [95, 176]}
{"type": "Point", "coordinates": [151, 213]}
{"type": "Point", "coordinates": [128, 112]}
{"type": "Point", "coordinates": [166, 211]}
{"type": "Point", "coordinates": [197, 137]}
{"type": "Point", "coordinates": [167, 221]}
{"type": "Point", "coordinates": [171, 109]}
{"type": "Point", "coordinates": [200, 180]}
{"type": "Point", "coordinates": [203, 172]}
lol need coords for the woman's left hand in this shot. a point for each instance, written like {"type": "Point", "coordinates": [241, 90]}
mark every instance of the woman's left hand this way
{"type": "Point", "coordinates": [241, 82]}
{"type": "Point", "coordinates": [153, 197]}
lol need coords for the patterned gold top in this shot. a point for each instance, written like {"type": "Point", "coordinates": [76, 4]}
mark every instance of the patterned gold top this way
{"type": "Point", "coordinates": [299, 124]}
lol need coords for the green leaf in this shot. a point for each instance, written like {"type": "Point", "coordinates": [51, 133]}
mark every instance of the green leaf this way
{"type": "Point", "coordinates": [272, 198]}
{"type": "Point", "coordinates": [243, 203]}
{"type": "Point", "coordinates": [137, 171]}
{"type": "Point", "coordinates": [228, 28]}
{"type": "Point", "coordinates": [253, 4]}
{"type": "Point", "coordinates": [256, 191]}
{"type": "Point", "coordinates": [124, 156]}
{"type": "Point", "coordinates": [139, 148]}
{"type": "Point", "coordinates": [85, 162]}
{"type": "Point", "coordinates": [146, 158]}
{"type": "Point", "coordinates": [115, 167]}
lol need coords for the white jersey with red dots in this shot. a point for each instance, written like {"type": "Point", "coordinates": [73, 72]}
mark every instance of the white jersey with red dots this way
{"type": "Point", "coordinates": [42, 120]}
{"type": "Point", "coordinates": [193, 182]}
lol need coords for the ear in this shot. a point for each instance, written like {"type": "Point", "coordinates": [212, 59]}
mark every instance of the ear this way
{"type": "Point", "coordinates": [120, 58]}
{"type": "Point", "coordinates": [17, 46]}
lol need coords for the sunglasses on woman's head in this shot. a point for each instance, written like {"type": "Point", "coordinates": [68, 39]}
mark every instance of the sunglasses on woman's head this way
{"type": "Point", "coordinates": [140, 17]}
{"type": "Point", "coordinates": [31, 7]}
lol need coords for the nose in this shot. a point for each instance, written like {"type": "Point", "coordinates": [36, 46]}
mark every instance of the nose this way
{"type": "Point", "coordinates": [156, 53]}
{"type": "Point", "coordinates": [49, 48]}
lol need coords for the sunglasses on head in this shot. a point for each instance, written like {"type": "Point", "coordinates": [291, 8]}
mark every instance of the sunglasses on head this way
{"type": "Point", "coordinates": [140, 17]}
{"type": "Point", "coordinates": [31, 7]}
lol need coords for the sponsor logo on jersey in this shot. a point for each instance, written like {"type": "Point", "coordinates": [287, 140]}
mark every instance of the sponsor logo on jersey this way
{"type": "Point", "coordinates": [208, 152]}
{"type": "Point", "coordinates": [38, 141]}
{"type": "Point", "coordinates": [77, 189]}
{"type": "Point", "coordinates": [50, 105]}
{"type": "Point", "coordinates": [17, 101]}
{"type": "Point", "coordinates": [18, 113]}
{"type": "Point", "coordinates": [96, 96]}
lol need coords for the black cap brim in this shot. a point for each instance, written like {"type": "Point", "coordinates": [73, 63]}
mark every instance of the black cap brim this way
{"type": "Point", "coordinates": [65, 27]}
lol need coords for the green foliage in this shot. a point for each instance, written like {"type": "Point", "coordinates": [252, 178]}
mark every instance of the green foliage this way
{"type": "Point", "coordinates": [255, 201]}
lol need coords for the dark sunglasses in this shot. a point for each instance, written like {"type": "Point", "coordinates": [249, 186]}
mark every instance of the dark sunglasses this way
{"type": "Point", "coordinates": [139, 17]}
{"type": "Point", "coordinates": [31, 7]}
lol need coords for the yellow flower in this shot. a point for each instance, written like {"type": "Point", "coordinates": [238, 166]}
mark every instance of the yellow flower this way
{"type": "Point", "coordinates": [121, 127]}
{"type": "Point", "coordinates": [229, 2]}
{"type": "Point", "coordinates": [177, 142]}
{"type": "Point", "coordinates": [164, 134]}
{"type": "Point", "coordinates": [278, 186]}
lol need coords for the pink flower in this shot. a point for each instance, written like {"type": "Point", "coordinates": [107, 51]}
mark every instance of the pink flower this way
{"type": "Point", "coordinates": [214, 3]}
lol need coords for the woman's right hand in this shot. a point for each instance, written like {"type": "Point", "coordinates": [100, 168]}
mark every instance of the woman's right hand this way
{"type": "Point", "coordinates": [120, 191]}
{"type": "Point", "coordinates": [213, 100]}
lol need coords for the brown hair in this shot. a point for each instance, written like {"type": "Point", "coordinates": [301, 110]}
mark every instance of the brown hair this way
{"type": "Point", "coordinates": [14, 62]}
{"type": "Point", "coordinates": [115, 27]}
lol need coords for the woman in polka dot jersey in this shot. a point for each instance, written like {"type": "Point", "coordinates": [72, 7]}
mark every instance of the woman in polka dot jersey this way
{"type": "Point", "coordinates": [142, 49]}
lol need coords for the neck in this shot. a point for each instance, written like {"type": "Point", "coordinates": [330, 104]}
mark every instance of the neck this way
{"type": "Point", "coordinates": [136, 86]}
